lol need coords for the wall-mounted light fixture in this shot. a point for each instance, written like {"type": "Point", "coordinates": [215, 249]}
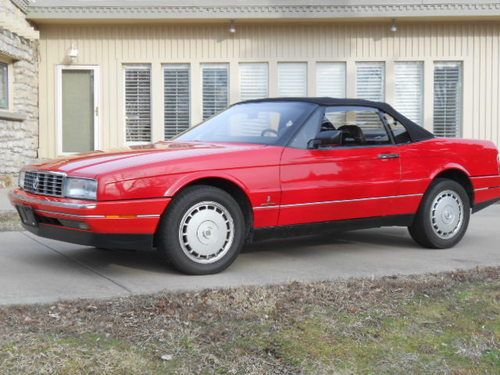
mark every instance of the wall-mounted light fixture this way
{"type": "Point", "coordinates": [394, 26]}
{"type": "Point", "coordinates": [232, 27]}
{"type": "Point", "coordinates": [73, 53]}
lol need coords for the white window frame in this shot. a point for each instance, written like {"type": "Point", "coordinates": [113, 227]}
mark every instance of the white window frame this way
{"type": "Point", "coordinates": [97, 104]}
{"type": "Point", "coordinates": [136, 65]}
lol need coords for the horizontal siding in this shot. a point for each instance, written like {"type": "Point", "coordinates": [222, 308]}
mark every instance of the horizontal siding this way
{"type": "Point", "coordinates": [109, 46]}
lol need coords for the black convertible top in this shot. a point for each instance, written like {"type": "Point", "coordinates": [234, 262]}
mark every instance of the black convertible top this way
{"type": "Point", "coordinates": [416, 132]}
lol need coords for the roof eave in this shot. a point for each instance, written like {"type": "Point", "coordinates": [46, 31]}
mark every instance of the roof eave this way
{"type": "Point", "coordinates": [264, 12]}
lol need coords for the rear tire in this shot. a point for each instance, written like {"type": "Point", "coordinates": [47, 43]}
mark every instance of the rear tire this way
{"type": "Point", "coordinates": [202, 231]}
{"type": "Point", "coordinates": [443, 217]}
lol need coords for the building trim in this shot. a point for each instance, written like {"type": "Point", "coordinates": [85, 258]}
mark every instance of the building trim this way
{"type": "Point", "coordinates": [406, 9]}
{"type": "Point", "coordinates": [21, 4]}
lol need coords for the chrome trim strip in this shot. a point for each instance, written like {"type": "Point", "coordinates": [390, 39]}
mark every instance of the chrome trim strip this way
{"type": "Point", "coordinates": [92, 216]}
{"type": "Point", "coordinates": [52, 203]}
{"type": "Point", "coordinates": [487, 188]}
{"type": "Point", "coordinates": [337, 201]}
{"type": "Point", "coordinates": [71, 215]}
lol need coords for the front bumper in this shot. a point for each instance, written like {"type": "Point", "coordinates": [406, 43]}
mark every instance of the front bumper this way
{"type": "Point", "coordinates": [111, 224]}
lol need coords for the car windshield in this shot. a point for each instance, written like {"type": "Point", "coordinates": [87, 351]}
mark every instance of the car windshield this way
{"type": "Point", "coordinates": [262, 122]}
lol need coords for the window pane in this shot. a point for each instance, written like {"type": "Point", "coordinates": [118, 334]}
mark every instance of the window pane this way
{"type": "Point", "coordinates": [361, 125]}
{"type": "Point", "coordinates": [398, 130]}
{"type": "Point", "coordinates": [447, 99]}
{"type": "Point", "coordinates": [261, 122]}
{"type": "Point", "coordinates": [330, 79]}
{"type": "Point", "coordinates": [4, 89]}
{"type": "Point", "coordinates": [77, 110]}
{"type": "Point", "coordinates": [370, 78]}
{"type": "Point", "coordinates": [176, 99]}
{"type": "Point", "coordinates": [409, 90]}
{"type": "Point", "coordinates": [292, 79]}
{"type": "Point", "coordinates": [253, 81]}
{"type": "Point", "coordinates": [215, 89]}
{"type": "Point", "coordinates": [138, 103]}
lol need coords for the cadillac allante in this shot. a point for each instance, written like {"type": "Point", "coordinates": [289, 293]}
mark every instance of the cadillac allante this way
{"type": "Point", "coordinates": [264, 167]}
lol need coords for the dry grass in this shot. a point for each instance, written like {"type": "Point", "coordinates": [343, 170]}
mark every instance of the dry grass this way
{"type": "Point", "coordinates": [443, 323]}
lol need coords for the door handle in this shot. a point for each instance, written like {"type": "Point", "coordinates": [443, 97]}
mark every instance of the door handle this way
{"type": "Point", "coordinates": [388, 156]}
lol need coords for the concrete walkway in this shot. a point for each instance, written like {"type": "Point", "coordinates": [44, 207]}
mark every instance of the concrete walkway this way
{"type": "Point", "coordinates": [35, 270]}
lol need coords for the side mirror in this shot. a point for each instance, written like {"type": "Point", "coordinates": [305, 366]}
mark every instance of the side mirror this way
{"type": "Point", "coordinates": [326, 138]}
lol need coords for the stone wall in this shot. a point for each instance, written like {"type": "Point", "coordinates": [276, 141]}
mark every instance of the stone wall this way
{"type": "Point", "coordinates": [18, 124]}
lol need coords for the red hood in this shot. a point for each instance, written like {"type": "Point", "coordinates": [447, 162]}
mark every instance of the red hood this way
{"type": "Point", "coordinates": [153, 159]}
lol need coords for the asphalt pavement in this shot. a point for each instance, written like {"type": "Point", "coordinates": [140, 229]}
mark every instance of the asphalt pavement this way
{"type": "Point", "coordinates": [36, 270]}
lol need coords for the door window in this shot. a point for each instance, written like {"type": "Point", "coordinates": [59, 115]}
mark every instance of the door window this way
{"type": "Point", "coordinates": [361, 126]}
{"type": "Point", "coordinates": [399, 132]}
{"type": "Point", "coordinates": [77, 110]}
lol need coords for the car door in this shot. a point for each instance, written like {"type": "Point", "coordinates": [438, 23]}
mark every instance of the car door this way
{"type": "Point", "coordinates": [357, 179]}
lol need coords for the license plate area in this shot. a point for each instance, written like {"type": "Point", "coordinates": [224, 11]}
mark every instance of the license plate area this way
{"type": "Point", "coordinates": [27, 215]}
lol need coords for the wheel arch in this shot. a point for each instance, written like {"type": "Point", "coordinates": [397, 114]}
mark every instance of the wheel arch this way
{"type": "Point", "coordinates": [460, 176]}
{"type": "Point", "coordinates": [230, 185]}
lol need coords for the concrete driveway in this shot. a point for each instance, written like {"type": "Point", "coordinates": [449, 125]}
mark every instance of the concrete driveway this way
{"type": "Point", "coordinates": [35, 270]}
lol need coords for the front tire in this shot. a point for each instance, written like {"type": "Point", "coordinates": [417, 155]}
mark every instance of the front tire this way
{"type": "Point", "coordinates": [443, 217]}
{"type": "Point", "coordinates": [202, 231]}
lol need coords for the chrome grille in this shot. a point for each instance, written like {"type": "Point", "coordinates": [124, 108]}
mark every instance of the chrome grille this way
{"type": "Point", "coordinates": [44, 183]}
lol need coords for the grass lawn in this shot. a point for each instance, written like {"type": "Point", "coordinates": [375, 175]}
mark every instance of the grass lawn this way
{"type": "Point", "coordinates": [442, 323]}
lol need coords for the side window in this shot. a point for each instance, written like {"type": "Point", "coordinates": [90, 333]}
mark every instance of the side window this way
{"type": "Point", "coordinates": [399, 132]}
{"type": "Point", "coordinates": [361, 126]}
{"type": "Point", "coordinates": [308, 131]}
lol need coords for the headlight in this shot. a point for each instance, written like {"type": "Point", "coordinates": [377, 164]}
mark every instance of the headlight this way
{"type": "Point", "coordinates": [80, 188]}
{"type": "Point", "coordinates": [21, 179]}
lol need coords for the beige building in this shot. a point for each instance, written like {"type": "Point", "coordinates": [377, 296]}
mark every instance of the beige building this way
{"type": "Point", "coordinates": [113, 73]}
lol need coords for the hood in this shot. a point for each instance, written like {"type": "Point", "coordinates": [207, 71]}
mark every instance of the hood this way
{"type": "Point", "coordinates": [142, 160]}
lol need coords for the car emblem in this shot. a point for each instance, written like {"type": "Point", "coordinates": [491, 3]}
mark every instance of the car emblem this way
{"type": "Point", "coordinates": [35, 183]}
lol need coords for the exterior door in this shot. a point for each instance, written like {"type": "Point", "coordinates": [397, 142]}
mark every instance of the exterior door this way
{"type": "Point", "coordinates": [78, 109]}
{"type": "Point", "coordinates": [359, 179]}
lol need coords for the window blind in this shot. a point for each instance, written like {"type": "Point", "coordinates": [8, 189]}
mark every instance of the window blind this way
{"type": "Point", "coordinates": [215, 89]}
{"type": "Point", "coordinates": [138, 103]}
{"type": "Point", "coordinates": [176, 99]}
{"type": "Point", "coordinates": [292, 79]}
{"type": "Point", "coordinates": [253, 81]}
{"type": "Point", "coordinates": [447, 99]}
{"type": "Point", "coordinates": [409, 90]}
{"type": "Point", "coordinates": [370, 79]}
{"type": "Point", "coordinates": [331, 79]}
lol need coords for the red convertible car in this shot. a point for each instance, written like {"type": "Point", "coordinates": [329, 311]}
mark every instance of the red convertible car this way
{"type": "Point", "coordinates": [264, 167]}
